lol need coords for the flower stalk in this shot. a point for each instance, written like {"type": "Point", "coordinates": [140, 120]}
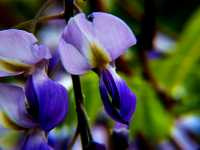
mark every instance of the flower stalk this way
{"type": "Point", "coordinates": [83, 125]}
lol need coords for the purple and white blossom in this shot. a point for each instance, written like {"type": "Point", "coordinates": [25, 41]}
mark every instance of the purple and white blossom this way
{"type": "Point", "coordinates": [36, 110]}
{"type": "Point", "coordinates": [19, 52]}
{"type": "Point", "coordinates": [94, 42]}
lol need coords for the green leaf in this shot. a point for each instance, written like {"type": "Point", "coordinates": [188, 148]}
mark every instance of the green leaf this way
{"type": "Point", "coordinates": [173, 71]}
{"type": "Point", "coordinates": [150, 118]}
{"type": "Point", "coordinates": [190, 92]}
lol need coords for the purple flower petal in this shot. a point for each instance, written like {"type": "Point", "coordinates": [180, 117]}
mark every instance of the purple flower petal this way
{"type": "Point", "coordinates": [54, 61]}
{"type": "Point", "coordinates": [36, 141]}
{"type": "Point", "coordinates": [97, 40]}
{"type": "Point", "coordinates": [18, 51]}
{"type": "Point", "coordinates": [105, 29]}
{"type": "Point", "coordinates": [79, 33]}
{"type": "Point", "coordinates": [12, 105]}
{"type": "Point", "coordinates": [16, 44]}
{"type": "Point", "coordinates": [73, 61]}
{"type": "Point", "coordinates": [51, 100]}
{"type": "Point", "coordinates": [41, 52]}
{"type": "Point", "coordinates": [110, 109]}
{"type": "Point", "coordinates": [123, 103]}
{"type": "Point", "coordinates": [20, 45]}
{"type": "Point", "coordinates": [113, 33]}
{"type": "Point", "coordinates": [32, 98]}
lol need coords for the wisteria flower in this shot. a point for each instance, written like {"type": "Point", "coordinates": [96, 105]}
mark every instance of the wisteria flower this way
{"type": "Point", "coordinates": [35, 110]}
{"type": "Point", "coordinates": [94, 42]}
{"type": "Point", "coordinates": [19, 52]}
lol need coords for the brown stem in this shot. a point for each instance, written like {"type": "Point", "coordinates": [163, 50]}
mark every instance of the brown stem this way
{"type": "Point", "coordinates": [145, 43]}
{"type": "Point", "coordinates": [132, 12]}
{"type": "Point", "coordinates": [83, 124]}
{"type": "Point", "coordinates": [41, 10]}
{"type": "Point", "coordinates": [41, 19]}
{"type": "Point", "coordinates": [97, 5]}
{"type": "Point", "coordinates": [165, 98]}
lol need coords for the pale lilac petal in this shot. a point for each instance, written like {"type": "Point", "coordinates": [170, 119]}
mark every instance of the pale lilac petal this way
{"type": "Point", "coordinates": [100, 39]}
{"type": "Point", "coordinates": [36, 141]}
{"type": "Point", "coordinates": [17, 45]}
{"type": "Point", "coordinates": [73, 61]}
{"type": "Point", "coordinates": [19, 51]}
{"type": "Point", "coordinates": [113, 33]}
{"type": "Point", "coordinates": [122, 104]}
{"type": "Point", "coordinates": [12, 104]}
{"type": "Point", "coordinates": [79, 33]}
{"type": "Point", "coordinates": [52, 100]}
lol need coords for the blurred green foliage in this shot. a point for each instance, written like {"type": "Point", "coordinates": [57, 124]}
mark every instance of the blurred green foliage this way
{"type": "Point", "coordinates": [179, 73]}
{"type": "Point", "coordinates": [150, 119]}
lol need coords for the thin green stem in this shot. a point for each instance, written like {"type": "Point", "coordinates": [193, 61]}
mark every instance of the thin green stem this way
{"type": "Point", "coordinates": [41, 10]}
{"type": "Point", "coordinates": [41, 19]}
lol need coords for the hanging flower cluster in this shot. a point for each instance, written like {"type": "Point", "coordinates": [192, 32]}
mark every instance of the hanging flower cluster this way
{"type": "Point", "coordinates": [87, 43]}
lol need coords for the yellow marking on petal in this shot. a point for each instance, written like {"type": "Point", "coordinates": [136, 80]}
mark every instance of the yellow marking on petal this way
{"type": "Point", "coordinates": [13, 66]}
{"type": "Point", "coordinates": [99, 58]}
{"type": "Point", "coordinates": [7, 123]}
